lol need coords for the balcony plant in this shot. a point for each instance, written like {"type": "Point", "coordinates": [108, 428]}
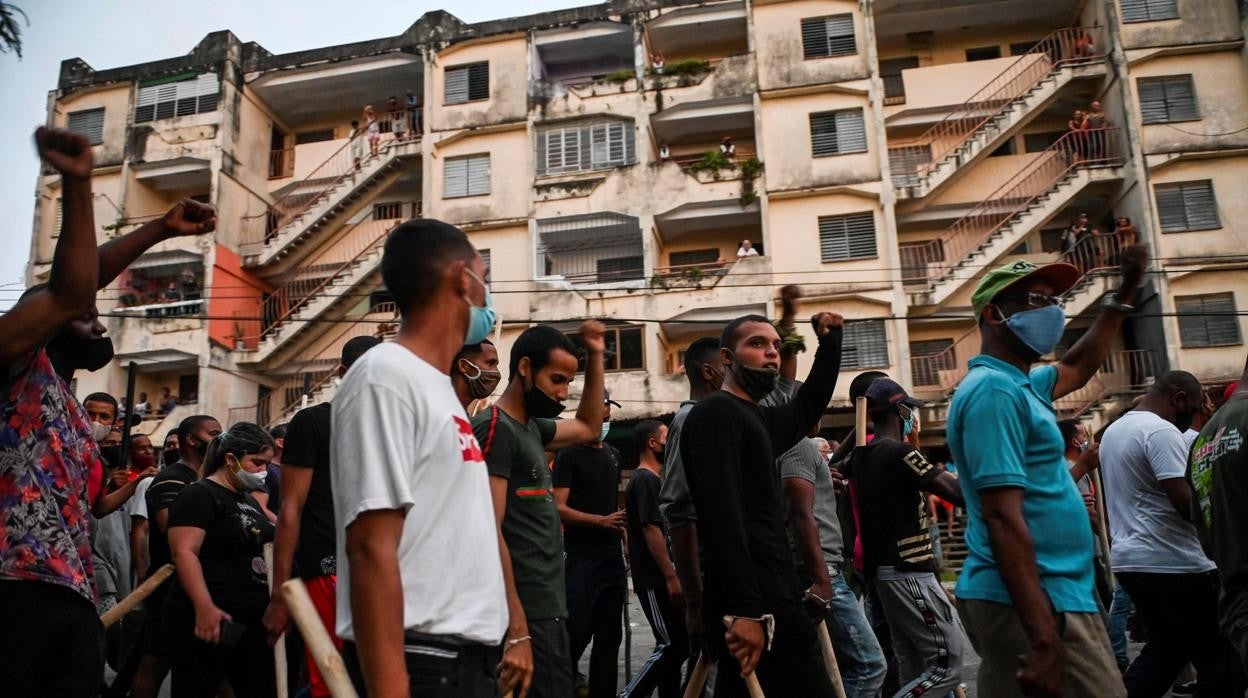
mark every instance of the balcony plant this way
{"type": "Point", "coordinates": [749, 172]}
{"type": "Point", "coordinates": [619, 77]}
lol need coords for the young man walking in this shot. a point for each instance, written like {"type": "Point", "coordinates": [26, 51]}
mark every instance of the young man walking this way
{"type": "Point", "coordinates": [1029, 567]}
{"type": "Point", "coordinates": [514, 435]}
{"type": "Point", "coordinates": [586, 482]}
{"type": "Point", "coordinates": [892, 480]}
{"type": "Point", "coordinates": [654, 578]}
{"type": "Point", "coordinates": [729, 448]}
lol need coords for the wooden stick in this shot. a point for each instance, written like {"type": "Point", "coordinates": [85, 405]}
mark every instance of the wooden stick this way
{"type": "Point", "coordinates": [751, 679]}
{"type": "Point", "coordinates": [829, 658]}
{"type": "Point", "coordinates": [279, 648]}
{"type": "Point", "coordinates": [144, 590]}
{"type": "Point", "coordinates": [860, 422]}
{"type": "Point", "coordinates": [697, 678]}
{"type": "Point", "coordinates": [317, 639]}
{"type": "Point", "coordinates": [1104, 527]}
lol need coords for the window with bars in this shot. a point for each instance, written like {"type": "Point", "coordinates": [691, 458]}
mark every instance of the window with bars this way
{"type": "Point", "coordinates": [485, 257]}
{"type": "Point", "coordinates": [826, 37]}
{"type": "Point", "coordinates": [591, 248]}
{"type": "Point", "coordinates": [890, 73]}
{"type": "Point", "coordinates": [90, 123]}
{"type": "Point", "coordinates": [317, 136]}
{"type": "Point", "coordinates": [169, 98]}
{"type": "Point", "coordinates": [845, 237]}
{"type": "Point", "coordinates": [928, 358]}
{"type": "Point", "coordinates": [690, 258]}
{"type": "Point", "coordinates": [625, 348]}
{"type": "Point", "coordinates": [983, 53]}
{"type": "Point", "coordinates": [466, 176]}
{"type": "Point", "coordinates": [388, 211]}
{"type": "Point", "coordinates": [1168, 99]}
{"type": "Point", "coordinates": [1148, 10]}
{"type": "Point", "coordinates": [1186, 206]}
{"type": "Point", "coordinates": [904, 163]}
{"type": "Point", "coordinates": [1208, 320]}
{"type": "Point", "coordinates": [837, 132]}
{"type": "Point", "coordinates": [468, 83]}
{"type": "Point", "coordinates": [864, 344]}
{"type": "Point", "coordinates": [585, 146]}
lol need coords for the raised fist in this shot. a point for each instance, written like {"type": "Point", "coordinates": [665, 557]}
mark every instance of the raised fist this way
{"type": "Point", "coordinates": [190, 217]}
{"type": "Point", "coordinates": [824, 322]}
{"type": "Point", "coordinates": [66, 151]}
{"type": "Point", "coordinates": [1134, 262]}
{"type": "Point", "coordinates": [592, 332]}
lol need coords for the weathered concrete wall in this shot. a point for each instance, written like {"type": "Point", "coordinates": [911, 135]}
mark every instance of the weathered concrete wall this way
{"type": "Point", "coordinates": [510, 154]}
{"type": "Point", "coordinates": [1199, 21]}
{"type": "Point", "coordinates": [1221, 85]}
{"type": "Point", "coordinates": [778, 45]}
{"type": "Point", "coordinates": [787, 149]}
{"type": "Point", "coordinates": [508, 59]}
{"type": "Point", "coordinates": [1209, 363]}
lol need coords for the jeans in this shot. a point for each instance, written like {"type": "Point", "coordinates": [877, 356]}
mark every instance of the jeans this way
{"type": "Point", "coordinates": [596, 589]}
{"type": "Point", "coordinates": [857, 651]}
{"type": "Point", "coordinates": [552, 658]}
{"type": "Point", "coordinates": [1119, 611]}
{"type": "Point", "coordinates": [438, 667]}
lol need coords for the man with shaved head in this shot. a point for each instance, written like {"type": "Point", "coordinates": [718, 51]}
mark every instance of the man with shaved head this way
{"type": "Point", "coordinates": [1156, 552]}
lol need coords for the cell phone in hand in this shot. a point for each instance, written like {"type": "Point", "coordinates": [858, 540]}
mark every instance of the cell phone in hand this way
{"type": "Point", "coordinates": [231, 632]}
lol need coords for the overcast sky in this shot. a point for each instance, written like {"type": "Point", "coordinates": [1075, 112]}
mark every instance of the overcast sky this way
{"type": "Point", "coordinates": [114, 33]}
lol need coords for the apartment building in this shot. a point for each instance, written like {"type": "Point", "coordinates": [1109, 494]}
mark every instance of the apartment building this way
{"type": "Point", "coordinates": [609, 161]}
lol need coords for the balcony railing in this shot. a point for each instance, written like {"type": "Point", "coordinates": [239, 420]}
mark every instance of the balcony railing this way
{"type": "Point", "coordinates": [946, 368]}
{"type": "Point", "coordinates": [928, 263]}
{"type": "Point", "coordinates": [1123, 372]}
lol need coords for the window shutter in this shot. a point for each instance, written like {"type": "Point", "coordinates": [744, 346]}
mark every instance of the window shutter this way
{"type": "Point", "coordinates": [585, 146]}
{"type": "Point", "coordinates": [479, 81]}
{"type": "Point", "coordinates": [1186, 206]}
{"type": "Point", "coordinates": [823, 134]}
{"type": "Point", "coordinates": [864, 344]}
{"type": "Point", "coordinates": [58, 216]}
{"type": "Point", "coordinates": [690, 258]}
{"type": "Point", "coordinates": [838, 132]}
{"type": "Point", "coordinates": [456, 85]}
{"type": "Point", "coordinates": [454, 177]}
{"type": "Point", "coordinates": [1167, 99]}
{"type": "Point", "coordinates": [180, 98]}
{"type": "Point", "coordinates": [478, 175]}
{"type": "Point", "coordinates": [485, 257]}
{"type": "Point", "coordinates": [814, 37]}
{"type": "Point", "coordinates": [1148, 10]}
{"type": "Point", "coordinates": [847, 237]}
{"type": "Point", "coordinates": [1208, 321]}
{"type": "Point", "coordinates": [89, 123]}
{"type": "Point", "coordinates": [828, 36]}
{"type": "Point", "coordinates": [1170, 208]}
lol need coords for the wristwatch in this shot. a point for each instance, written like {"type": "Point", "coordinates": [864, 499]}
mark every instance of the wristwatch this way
{"type": "Point", "coordinates": [1115, 304]}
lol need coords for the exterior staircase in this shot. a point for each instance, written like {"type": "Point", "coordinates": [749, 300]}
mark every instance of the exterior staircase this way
{"type": "Point", "coordinates": [952, 543]}
{"type": "Point", "coordinates": [1005, 104]}
{"type": "Point", "coordinates": [337, 188]}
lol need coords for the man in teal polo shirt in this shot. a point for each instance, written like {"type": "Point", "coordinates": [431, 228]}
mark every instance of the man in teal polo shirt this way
{"type": "Point", "coordinates": [1026, 590]}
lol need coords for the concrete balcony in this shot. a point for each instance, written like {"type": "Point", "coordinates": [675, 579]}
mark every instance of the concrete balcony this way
{"type": "Point", "coordinates": [159, 337]}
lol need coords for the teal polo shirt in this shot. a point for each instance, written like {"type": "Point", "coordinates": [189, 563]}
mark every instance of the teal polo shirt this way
{"type": "Point", "coordinates": [1002, 432]}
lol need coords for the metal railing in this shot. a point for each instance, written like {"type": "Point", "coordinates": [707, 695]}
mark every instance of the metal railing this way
{"type": "Point", "coordinates": [930, 262]}
{"type": "Point", "coordinates": [1123, 372]}
{"type": "Point", "coordinates": [904, 162]}
{"type": "Point", "coordinates": [946, 368]}
{"type": "Point", "coordinates": [1071, 46]}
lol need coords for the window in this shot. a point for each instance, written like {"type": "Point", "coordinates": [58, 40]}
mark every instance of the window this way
{"type": "Point", "coordinates": [917, 256]}
{"type": "Point", "coordinates": [837, 132]}
{"type": "Point", "coordinates": [1022, 47]}
{"type": "Point", "coordinates": [485, 257]}
{"type": "Point", "coordinates": [928, 358]}
{"type": "Point", "coordinates": [1168, 99]}
{"type": "Point", "coordinates": [58, 215]}
{"type": "Point", "coordinates": [89, 123]}
{"type": "Point", "coordinates": [847, 237]}
{"type": "Point", "coordinates": [1148, 10]}
{"type": "Point", "coordinates": [1207, 321]}
{"type": "Point", "coordinates": [894, 85]}
{"type": "Point", "coordinates": [692, 258]}
{"type": "Point", "coordinates": [468, 83]}
{"type": "Point", "coordinates": [585, 146]}
{"type": "Point", "coordinates": [904, 163]}
{"type": "Point", "coordinates": [864, 344]}
{"type": "Point", "coordinates": [466, 176]}
{"type": "Point", "coordinates": [1006, 148]}
{"type": "Point", "coordinates": [181, 96]}
{"type": "Point", "coordinates": [1186, 206]}
{"type": "Point", "coordinates": [591, 248]}
{"type": "Point", "coordinates": [620, 268]}
{"type": "Point", "coordinates": [387, 211]}
{"type": "Point", "coordinates": [1039, 142]}
{"type": "Point", "coordinates": [318, 136]}
{"type": "Point", "coordinates": [625, 349]}
{"type": "Point", "coordinates": [984, 53]}
{"type": "Point", "coordinates": [824, 37]}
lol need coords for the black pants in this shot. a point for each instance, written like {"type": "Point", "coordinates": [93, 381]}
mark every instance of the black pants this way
{"type": "Point", "coordinates": [552, 658]}
{"type": "Point", "coordinates": [198, 667]}
{"type": "Point", "coordinates": [1180, 612]}
{"type": "Point", "coordinates": [439, 667]}
{"type": "Point", "coordinates": [51, 641]}
{"type": "Point", "coordinates": [793, 667]}
{"type": "Point", "coordinates": [671, 647]}
{"type": "Point", "coordinates": [596, 589]}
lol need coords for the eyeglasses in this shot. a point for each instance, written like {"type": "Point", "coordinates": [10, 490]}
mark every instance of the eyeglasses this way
{"type": "Point", "coordinates": [1035, 299]}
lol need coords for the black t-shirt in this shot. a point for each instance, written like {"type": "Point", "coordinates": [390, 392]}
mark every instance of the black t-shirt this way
{"type": "Point", "coordinates": [592, 476]}
{"type": "Point", "coordinates": [307, 446]}
{"type": "Point", "coordinates": [889, 477]}
{"type": "Point", "coordinates": [641, 504]}
{"type": "Point", "coordinates": [235, 531]}
{"type": "Point", "coordinates": [165, 488]}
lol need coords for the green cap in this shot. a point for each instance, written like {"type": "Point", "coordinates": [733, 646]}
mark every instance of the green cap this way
{"type": "Point", "coordinates": [1062, 277]}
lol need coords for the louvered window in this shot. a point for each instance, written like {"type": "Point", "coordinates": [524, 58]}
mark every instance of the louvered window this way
{"type": "Point", "coordinates": [166, 99]}
{"type": "Point", "coordinates": [847, 237]}
{"type": "Point", "coordinates": [585, 146]}
{"type": "Point", "coordinates": [468, 83]}
{"type": "Point", "coordinates": [89, 123]}
{"type": "Point", "coordinates": [1186, 206]}
{"type": "Point", "coordinates": [1163, 100]}
{"type": "Point", "coordinates": [1148, 10]}
{"type": "Point", "coordinates": [692, 258]}
{"type": "Point", "coordinates": [823, 37]}
{"type": "Point", "coordinates": [58, 217]}
{"type": "Point", "coordinates": [485, 257]}
{"type": "Point", "coordinates": [466, 176]}
{"type": "Point", "coordinates": [1208, 321]}
{"type": "Point", "coordinates": [928, 358]}
{"type": "Point", "coordinates": [837, 132]}
{"type": "Point", "coordinates": [864, 344]}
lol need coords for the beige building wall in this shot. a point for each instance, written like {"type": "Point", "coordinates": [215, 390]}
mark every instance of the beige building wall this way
{"type": "Point", "coordinates": [509, 78]}
{"type": "Point", "coordinates": [778, 45]}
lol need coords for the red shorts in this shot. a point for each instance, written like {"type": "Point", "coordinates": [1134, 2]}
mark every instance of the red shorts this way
{"type": "Point", "coordinates": [324, 593]}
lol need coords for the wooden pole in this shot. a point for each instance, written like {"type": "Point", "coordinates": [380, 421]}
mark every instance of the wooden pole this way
{"type": "Point", "coordinates": [829, 658]}
{"type": "Point", "coordinates": [279, 648]}
{"type": "Point", "coordinates": [860, 422]}
{"type": "Point", "coordinates": [697, 678]}
{"type": "Point", "coordinates": [317, 639]}
{"type": "Point", "coordinates": [751, 679]}
{"type": "Point", "coordinates": [145, 590]}
{"type": "Point", "coordinates": [1104, 527]}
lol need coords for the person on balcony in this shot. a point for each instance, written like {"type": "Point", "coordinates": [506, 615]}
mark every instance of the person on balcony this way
{"type": "Point", "coordinates": [1026, 589]}
{"type": "Point", "coordinates": [357, 143]}
{"type": "Point", "coordinates": [656, 63]}
{"type": "Point", "coordinates": [172, 294]}
{"type": "Point", "coordinates": [1078, 129]}
{"type": "Point", "coordinates": [746, 249]}
{"type": "Point", "coordinates": [142, 407]}
{"type": "Point", "coordinates": [168, 401]}
{"type": "Point", "coordinates": [413, 114]}
{"type": "Point", "coordinates": [1125, 235]}
{"type": "Point", "coordinates": [398, 119]}
{"type": "Point", "coordinates": [1096, 122]}
{"type": "Point", "coordinates": [727, 147]}
{"type": "Point", "coordinates": [372, 126]}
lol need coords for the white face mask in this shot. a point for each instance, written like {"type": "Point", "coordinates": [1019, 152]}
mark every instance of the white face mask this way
{"type": "Point", "coordinates": [245, 479]}
{"type": "Point", "coordinates": [99, 432]}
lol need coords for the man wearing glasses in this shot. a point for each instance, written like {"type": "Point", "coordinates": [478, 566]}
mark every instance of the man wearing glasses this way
{"type": "Point", "coordinates": [1026, 592]}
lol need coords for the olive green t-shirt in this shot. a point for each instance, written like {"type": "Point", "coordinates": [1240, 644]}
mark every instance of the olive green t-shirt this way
{"type": "Point", "coordinates": [516, 452]}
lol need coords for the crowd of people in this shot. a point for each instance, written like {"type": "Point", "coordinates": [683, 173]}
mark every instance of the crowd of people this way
{"type": "Point", "coordinates": [454, 546]}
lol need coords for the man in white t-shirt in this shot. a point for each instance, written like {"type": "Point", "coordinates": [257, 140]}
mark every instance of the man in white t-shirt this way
{"type": "Point", "coordinates": [412, 494]}
{"type": "Point", "coordinates": [1156, 553]}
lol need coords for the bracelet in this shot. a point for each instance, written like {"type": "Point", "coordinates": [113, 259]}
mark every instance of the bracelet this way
{"type": "Point", "coordinates": [513, 643]}
{"type": "Point", "coordinates": [767, 620]}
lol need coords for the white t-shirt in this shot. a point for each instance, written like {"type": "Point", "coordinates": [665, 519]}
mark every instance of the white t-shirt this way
{"type": "Point", "coordinates": [137, 505]}
{"type": "Point", "coordinates": [401, 440]}
{"type": "Point", "coordinates": [1137, 452]}
{"type": "Point", "coordinates": [1188, 437]}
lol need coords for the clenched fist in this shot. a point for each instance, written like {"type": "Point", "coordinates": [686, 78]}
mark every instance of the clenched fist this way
{"type": "Point", "coordinates": [190, 217]}
{"type": "Point", "coordinates": [66, 151]}
{"type": "Point", "coordinates": [592, 335]}
{"type": "Point", "coordinates": [824, 322]}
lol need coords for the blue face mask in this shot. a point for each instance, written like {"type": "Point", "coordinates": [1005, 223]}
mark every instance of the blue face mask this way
{"type": "Point", "coordinates": [907, 426]}
{"type": "Point", "coordinates": [606, 429]}
{"type": "Point", "coordinates": [481, 318]}
{"type": "Point", "coordinates": [1040, 329]}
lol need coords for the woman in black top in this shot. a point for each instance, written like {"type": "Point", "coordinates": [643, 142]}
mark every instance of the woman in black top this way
{"type": "Point", "coordinates": [217, 533]}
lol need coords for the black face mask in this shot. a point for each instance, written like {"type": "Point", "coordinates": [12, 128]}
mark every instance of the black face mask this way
{"type": "Point", "coordinates": [170, 456]}
{"type": "Point", "coordinates": [661, 455]}
{"type": "Point", "coordinates": [538, 404]}
{"type": "Point", "coordinates": [756, 382]}
{"type": "Point", "coordinates": [112, 456]}
{"type": "Point", "coordinates": [69, 355]}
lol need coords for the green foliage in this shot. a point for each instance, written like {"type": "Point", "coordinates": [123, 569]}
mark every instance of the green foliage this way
{"type": "Point", "coordinates": [619, 76]}
{"type": "Point", "coordinates": [712, 160]}
{"type": "Point", "coordinates": [749, 172]}
{"type": "Point", "coordinates": [10, 30]}
{"type": "Point", "coordinates": [687, 66]}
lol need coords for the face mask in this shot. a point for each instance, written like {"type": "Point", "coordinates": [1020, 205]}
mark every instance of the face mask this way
{"type": "Point", "coordinates": [756, 382]}
{"type": "Point", "coordinates": [99, 432]}
{"type": "Point", "coordinates": [483, 383]}
{"type": "Point", "coordinates": [88, 354]}
{"type": "Point", "coordinates": [661, 454]}
{"type": "Point", "coordinates": [1083, 447]}
{"type": "Point", "coordinates": [170, 456]}
{"type": "Point", "coordinates": [480, 318]}
{"type": "Point", "coordinates": [907, 426]}
{"type": "Point", "coordinates": [247, 480]}
{"type": "Point", "coordinates": [1040, 329]}
{"type": "Point", "coordinates": [606, 429]}
{"type": "Point", "coordinates": [111, 456]}
{"type": "Point", "coordinates": [142, 461]}
{"type": "Point", "coordinates": [538, 404]}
